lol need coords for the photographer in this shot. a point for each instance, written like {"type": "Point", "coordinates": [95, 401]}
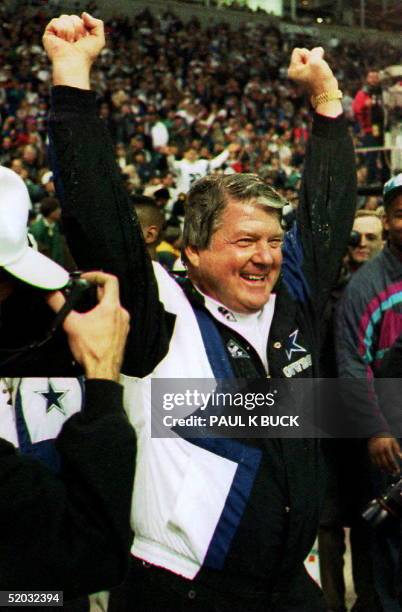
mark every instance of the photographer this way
{"type": "Point", "coordinates": [68, 531]}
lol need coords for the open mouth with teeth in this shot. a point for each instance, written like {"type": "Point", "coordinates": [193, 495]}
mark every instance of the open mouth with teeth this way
{"type": "Point", "coordinates": [254, 278]}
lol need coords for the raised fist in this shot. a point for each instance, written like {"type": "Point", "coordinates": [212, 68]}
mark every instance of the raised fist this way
{"type": "Point", "coordinates": [309, 69]}
{"type": "Point", "coordinates": [70, 38]}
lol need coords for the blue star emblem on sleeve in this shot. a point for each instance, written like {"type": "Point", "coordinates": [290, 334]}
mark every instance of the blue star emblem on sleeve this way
{"type": "Point", "coordinates": [53, 399]}
{"type": "Point", "coordinates": [292, 346]}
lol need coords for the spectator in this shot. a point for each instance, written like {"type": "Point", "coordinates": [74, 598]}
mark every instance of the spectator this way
{"type": "Point", "coordinates": [31, 161]}
{"type": "Point", "coordinates": [46, 230]}
{"type": "Point", "coordinates": [161, 197]}
{"type": "Point", "coordinates": [159, 132]}
{"type": "Point", "coordinates": [347, 487]}
{"type": "Point", "coordinates": [168, 250]}
{"type": "Point", "coordinates": [48, 183]}
{"type": "Point", "coordinates": [369, 325]}
{"type": "Point", "coordinates": [368, 229]}
{"type": "Point", "coordinates": [121, 155]}
{"type": "Point", "coordinates": [135, 86]}
{"type": "Point", "coordinates": [191, 167]}
{"type": "Point", "coordinates": [143, 168]}
{"type": "Point", "coordinates": [371, 203]}
{"type": "Point", "coordinates": [369, 113]}
{"type": "Point", "coordinates": [151, 219]}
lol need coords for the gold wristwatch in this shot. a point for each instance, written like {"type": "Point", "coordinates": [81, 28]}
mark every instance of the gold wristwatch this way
{"type": "Point", "coordinates": [326, 96]}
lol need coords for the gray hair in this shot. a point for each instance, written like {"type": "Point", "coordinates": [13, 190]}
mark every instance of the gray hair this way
{"type": "Point", "coordinates": [209, 196]}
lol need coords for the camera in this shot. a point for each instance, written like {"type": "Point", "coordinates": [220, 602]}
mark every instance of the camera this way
{"type": "Point", "coordinates": [80, 294]}
{"type": "Point", "coordinates": [354, 239]}
{"type": "Point", "coordinates": [389, 505]}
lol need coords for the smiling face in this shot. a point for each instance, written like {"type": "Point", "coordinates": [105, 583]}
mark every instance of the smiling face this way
{"type": "Point", "coordinates": [242, 263]}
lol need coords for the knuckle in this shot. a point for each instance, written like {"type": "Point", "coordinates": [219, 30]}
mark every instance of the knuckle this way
{"type": "Point", "coordinates": [112, 278]}
{"type": "Point", "coordinates": [125, 314]}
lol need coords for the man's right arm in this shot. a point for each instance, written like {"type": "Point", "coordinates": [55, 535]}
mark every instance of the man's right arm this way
{"type": "Point", "coordinates": [101, 228]}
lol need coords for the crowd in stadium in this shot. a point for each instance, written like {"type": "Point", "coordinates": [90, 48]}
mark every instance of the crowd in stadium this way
{"type": "Point", "coordinates": [193, 114]}
{"type": "Point", "coordinates": [169, 90]}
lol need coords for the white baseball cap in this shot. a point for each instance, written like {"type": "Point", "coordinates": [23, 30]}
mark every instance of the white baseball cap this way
{"type": "Point", "coordinates": [47, 177]}
{"type": "Point", "coordinates": [16, 256]}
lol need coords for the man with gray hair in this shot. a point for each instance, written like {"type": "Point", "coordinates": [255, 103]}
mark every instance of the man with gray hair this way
{"type": "Point", "coordinates": [219, 524]}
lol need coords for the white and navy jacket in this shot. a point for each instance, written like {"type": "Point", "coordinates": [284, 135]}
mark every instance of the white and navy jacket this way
{"type": "Point", "coordinates": [33, 411]}
{"type": "Point", "coordinates": [202, 508]}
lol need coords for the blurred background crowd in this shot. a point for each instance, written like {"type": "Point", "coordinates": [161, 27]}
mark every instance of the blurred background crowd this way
{"type": "Point", "coordinates": [182, 99]}
{"type": "Point", "coordinates": [185, 97]}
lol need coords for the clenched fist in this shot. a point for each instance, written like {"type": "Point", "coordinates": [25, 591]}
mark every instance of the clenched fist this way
{"type": "Point", "coordinates": [72, 44]}
{"type": "Point", "coordinates": [312, 72]}
{"type": "Point", "coordinates": [309, 69]}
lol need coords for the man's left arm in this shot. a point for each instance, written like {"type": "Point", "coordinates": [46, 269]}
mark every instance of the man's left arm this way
{"type": "Point", "coordinates": [328, 191]}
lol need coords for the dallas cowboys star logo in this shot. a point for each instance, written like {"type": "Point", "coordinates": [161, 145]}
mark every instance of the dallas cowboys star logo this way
{"type": "Point", "coordinates": [53, 399]}
{"type": "Point", "coordinates": [236, 351]}
{"type": "Point", "coordinates": [292, 346]}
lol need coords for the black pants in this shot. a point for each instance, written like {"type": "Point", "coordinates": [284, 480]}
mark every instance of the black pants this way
{"type": "Point", "coordinates": [150, 589]}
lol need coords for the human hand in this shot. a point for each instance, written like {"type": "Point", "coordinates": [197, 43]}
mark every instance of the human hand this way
{"type": "Point", "coordinates": [384, 452]}
{"type": "Point", "coordinates": [311, 71]}
{"type": "Point", "coordinates": [97, 338]}
{"type": "Point", "coordinates": [72, 44]}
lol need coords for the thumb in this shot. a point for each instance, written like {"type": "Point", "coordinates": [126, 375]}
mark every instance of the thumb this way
{"type": "Point", "coordinates": [95, 26]}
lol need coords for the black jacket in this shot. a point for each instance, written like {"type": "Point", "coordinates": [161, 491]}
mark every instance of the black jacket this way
{"type": "Point", "coordinates": [70, 531]}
